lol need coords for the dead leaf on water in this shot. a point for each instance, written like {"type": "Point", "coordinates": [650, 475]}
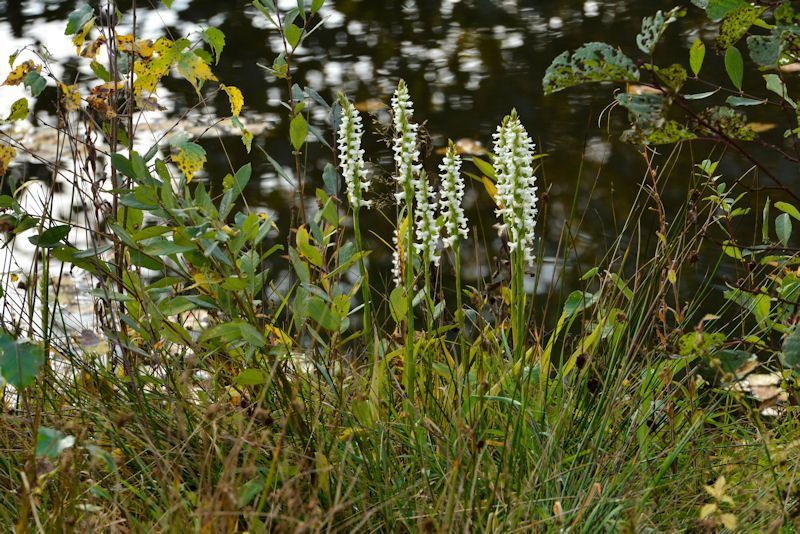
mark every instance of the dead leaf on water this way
{"type": "Point", "coordinates": [371, 105]}
{"type": "Point", "coordinates": [761, 127]}
{"type": "Point", "coordinates": [466, 147]}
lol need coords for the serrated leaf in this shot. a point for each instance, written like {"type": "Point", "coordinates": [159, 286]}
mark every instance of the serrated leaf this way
{"type": "Point", "coordinates": [19, 110]}
{"type": "Point", "coordinates": [697, 55]}
{"type": "Point", "coordinates": [298, 131]}
{"type": "Point", "coordinates": [190, 157]}
{"type": "Point", "coordinates": [734, 66]}
{"type": "Point", "coordinates": [194, 69]}
{"type": "Point", "coordinates": [235, 97]}
{"type": "Point", "coordinates": [216, 40]}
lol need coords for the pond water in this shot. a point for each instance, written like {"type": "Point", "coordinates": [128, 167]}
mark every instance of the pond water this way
{"type": "Point", "coordinates": [467, 63]}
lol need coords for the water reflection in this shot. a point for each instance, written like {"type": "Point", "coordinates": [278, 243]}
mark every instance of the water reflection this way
{"type": "Point", "coordinates": [467, 63]}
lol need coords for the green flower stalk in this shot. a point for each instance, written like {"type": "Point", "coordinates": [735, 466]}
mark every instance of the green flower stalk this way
{"type": "Point", "coordinates": [351, 162]}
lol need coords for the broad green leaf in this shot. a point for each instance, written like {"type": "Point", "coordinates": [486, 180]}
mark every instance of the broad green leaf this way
{"type": "Point", "coordinates": [194, 69]}
{"type": "Point", "coordinates": [697, 55]}
{"type": "Point", "coordinates": [398, 305]}
{"type": "Point", "coordinates": [51, 237]}
{"type": "Point", "coordinates": [783, 227]}
{"type": "Point", "coordinates": [791, 350]}
{"type": "Point", "coordinates": [788, 208]}
{"type": "Point", "coordinates": [35, 82]}
{"type": "Point", "coordinates": [216, 40]}
{"type": "Point", "coordinates": [735, 25]}
{"type": "Point", "coordinates": [298, 131]}
{"type": "Point", "coordinates": [322, 314]}
{"type": "Point", "coordinates": [78, 19]}
{"type": "Point", "coordinates": [190, 157]}
{"type": "Point", "coordinates": [293, 35]}
{"type": "Point", "coordinates": [50, 443]}
{"type": "Point", "coordinates": [20, 362]}
{"type": "Point", "coordinates": [308, 251]}
{"type": "Point", "coordinates": [717, 9]}
{"type": "Point", "coordinates": [734, 65]}
{"type": "Point", "coordinates": [19, 110]}
{"type": "Point", "coordinates": [776, 85]}
{"type": "Point", "coordinates": [316, 5]}
{"type": "Point", "coordinates": [251, 377]}
{"type": "Point", "coordinates": [592, 62]}
{"type": "Point", "coordinates": [765, 49]}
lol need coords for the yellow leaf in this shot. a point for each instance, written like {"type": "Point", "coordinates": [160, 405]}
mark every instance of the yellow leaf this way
{"type": "Point", "coordinates": [7, 155]}
{"type": "Point", "coordinates": [91, 49]}
{"type": "Point", "coordinates": [728, 521]}
{"type": "Point", "coordinates": [190, 160]}
{"type": "Point", "coordinates": [18, 74]}
{"type": "Point", "coordinates": [143, 48]}
{"type": "Point", "coordinates": [490, 188]}
{"type": "Point", "coordinates": [80, 37]}
{"type": "Point", "coordinates": [707, 510]}
{"type": "Point", "coordinates": [149, 73]}
{"type": "Point", "coordinates": [71, 96]}
{"type": "Point", "coordinates": [236, 98]}
{"type": "Point", "coordinates": [194, 69]}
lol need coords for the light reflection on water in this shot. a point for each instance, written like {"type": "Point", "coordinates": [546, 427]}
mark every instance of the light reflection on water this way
{"type": "Point", "coordinates": [467, 63]}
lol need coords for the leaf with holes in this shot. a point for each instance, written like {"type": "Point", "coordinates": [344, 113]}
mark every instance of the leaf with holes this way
{"type": "Point", "coordinates": [190, 157]}
{"type": "Point", "coordinates": [592, 62]}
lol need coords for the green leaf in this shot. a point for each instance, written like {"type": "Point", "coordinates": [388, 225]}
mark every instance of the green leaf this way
{"type": "Point", "coordinates": [734, 65]}
{"type": "Point", "coordinates": [293, 35]}
{"type": "Point", "coordinates": [765, 49]}
{"type": "Point", "coordinates": [78, 19]}
{"type": "Point", "coordinates": [168, 3]}
{"type": "Point", "coordinates": [789, 209]}
{"type": "Point", "coordinates": [19, 110]}
{"type": "Point", "coordinates": [323, 315]}
{"type": "Point", "coordinates": [776, 85]}
{"type": "Point", "coordinates": [298, 131]}
{"type": "Point", "coordinates": [316, 5]}
{"type": "Point", "coordinates": [51, 237]}
{"type": "Point", "coordinates": [736, 101]}
{"type": "Point", "coordinates": [165, 247]}
{"type": "Point", "coordinates": [20, 362]}
{"type": "Point", "coordinates": [653, 28]}
{"type": "Point", "coordinates": [717, 9]}
{"type": "Point", "coordinates": [306, 249]}
{"type": "Point", "coordinates": [592, 62]}
{"type": "Point", "coordinates": [791, 350]}
{"type": "Point", "coordinates": [100, 71]}
{"type": "Point", "coordinates": [51, 443]}
{"type": "Point", "coordinates": [736, 24]}
{"type": "Point", "coordinates": [398, 305]}
{"type": "Point", "coordinates": [783, 227]}
{"type": "Point", "coordinates": [35, 82]}
{"type": "Point", "coordinates": [251, 377]}
{"type": "Point", "coordinates": [697, 55]}
{"type": "Point", "coordinates": [216, 40]}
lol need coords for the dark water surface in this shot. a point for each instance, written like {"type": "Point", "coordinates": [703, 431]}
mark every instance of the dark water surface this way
{"type": "Point", "coordinates": [467, 63]}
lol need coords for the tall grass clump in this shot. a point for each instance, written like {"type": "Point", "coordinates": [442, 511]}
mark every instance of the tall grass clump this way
{"type": "Point", "coordinates": [222, 384]}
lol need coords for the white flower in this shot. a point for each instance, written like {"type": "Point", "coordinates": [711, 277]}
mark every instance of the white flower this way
{"type": "Point", "coordinates": [406, 155]}
{"type": "Point", "coordinates": [427, 229]}
{"type": "Point", "coordinates": [454, 221]}
{"type": "Point", "coordinates": [351, 155]}
{"type": "Point", "coordinates": [397, 259]}
{"type": "Point", "coordinates": [516, 185]}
